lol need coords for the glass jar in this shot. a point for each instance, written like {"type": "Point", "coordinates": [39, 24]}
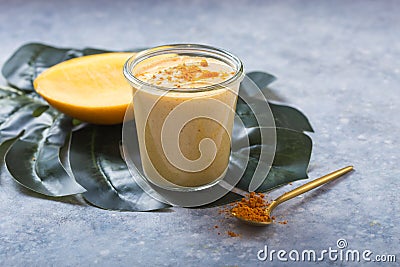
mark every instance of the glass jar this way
{"type": "Point", "coordinates": [184, 103]}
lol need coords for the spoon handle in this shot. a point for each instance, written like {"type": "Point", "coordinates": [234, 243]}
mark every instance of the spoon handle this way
{"type": "Point", "coordinates": [311, 185]}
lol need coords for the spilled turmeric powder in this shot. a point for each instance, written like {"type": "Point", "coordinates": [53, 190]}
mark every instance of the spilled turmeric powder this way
{"type": "Point", "coordinates": [232, 234]}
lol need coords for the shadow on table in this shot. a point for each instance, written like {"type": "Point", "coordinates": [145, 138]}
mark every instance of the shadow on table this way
{"type": "Point", "coordinates": [73, 199]}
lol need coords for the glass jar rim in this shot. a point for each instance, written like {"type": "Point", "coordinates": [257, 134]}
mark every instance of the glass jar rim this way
{"type": "Point", "coordinates": [218, 53]}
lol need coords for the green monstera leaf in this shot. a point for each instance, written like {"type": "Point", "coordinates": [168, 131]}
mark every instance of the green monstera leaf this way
{"type": "Point", "coordinates": [37, 134]}
{"type": "Point", "coordinates": [35, 139]}
{"type": "Point", "coordinates": [46, 152]}
{"type": "Point", "coordinates": [97, 165]}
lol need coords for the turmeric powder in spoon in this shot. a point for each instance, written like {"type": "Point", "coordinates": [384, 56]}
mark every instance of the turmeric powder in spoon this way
{"type": "Point", "coordinates": [252, 207]}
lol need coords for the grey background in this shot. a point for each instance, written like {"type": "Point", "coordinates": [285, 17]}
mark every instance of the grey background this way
{"type": "Point", "coordinates": [338, 61]}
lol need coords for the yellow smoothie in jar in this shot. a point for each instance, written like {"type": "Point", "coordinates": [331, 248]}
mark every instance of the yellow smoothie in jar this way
{"type": "Point", "coordinates": [184, 121]}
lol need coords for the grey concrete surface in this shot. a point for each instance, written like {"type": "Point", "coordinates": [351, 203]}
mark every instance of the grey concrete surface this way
{"type": "Point", "coordinates": [338, 61]}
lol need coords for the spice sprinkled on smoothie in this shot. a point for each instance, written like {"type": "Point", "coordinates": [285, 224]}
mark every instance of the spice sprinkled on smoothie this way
{"type": "Point", "coordinates": [185, 72]}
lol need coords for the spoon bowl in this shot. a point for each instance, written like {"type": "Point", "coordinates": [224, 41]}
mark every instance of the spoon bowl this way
{"type": "Point", "coordinates": [294, 193]}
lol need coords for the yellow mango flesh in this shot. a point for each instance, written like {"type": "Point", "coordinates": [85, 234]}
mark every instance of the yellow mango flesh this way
{"type": "Point", "coordinates": [90, 88]}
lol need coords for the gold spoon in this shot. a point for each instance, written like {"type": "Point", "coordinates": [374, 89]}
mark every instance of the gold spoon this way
{"type": "Point", "coordinates": [294, 193]}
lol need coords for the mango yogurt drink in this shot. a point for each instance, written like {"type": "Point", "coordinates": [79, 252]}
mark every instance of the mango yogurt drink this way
{"type": "Point", "coordinates": [184, 104]}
